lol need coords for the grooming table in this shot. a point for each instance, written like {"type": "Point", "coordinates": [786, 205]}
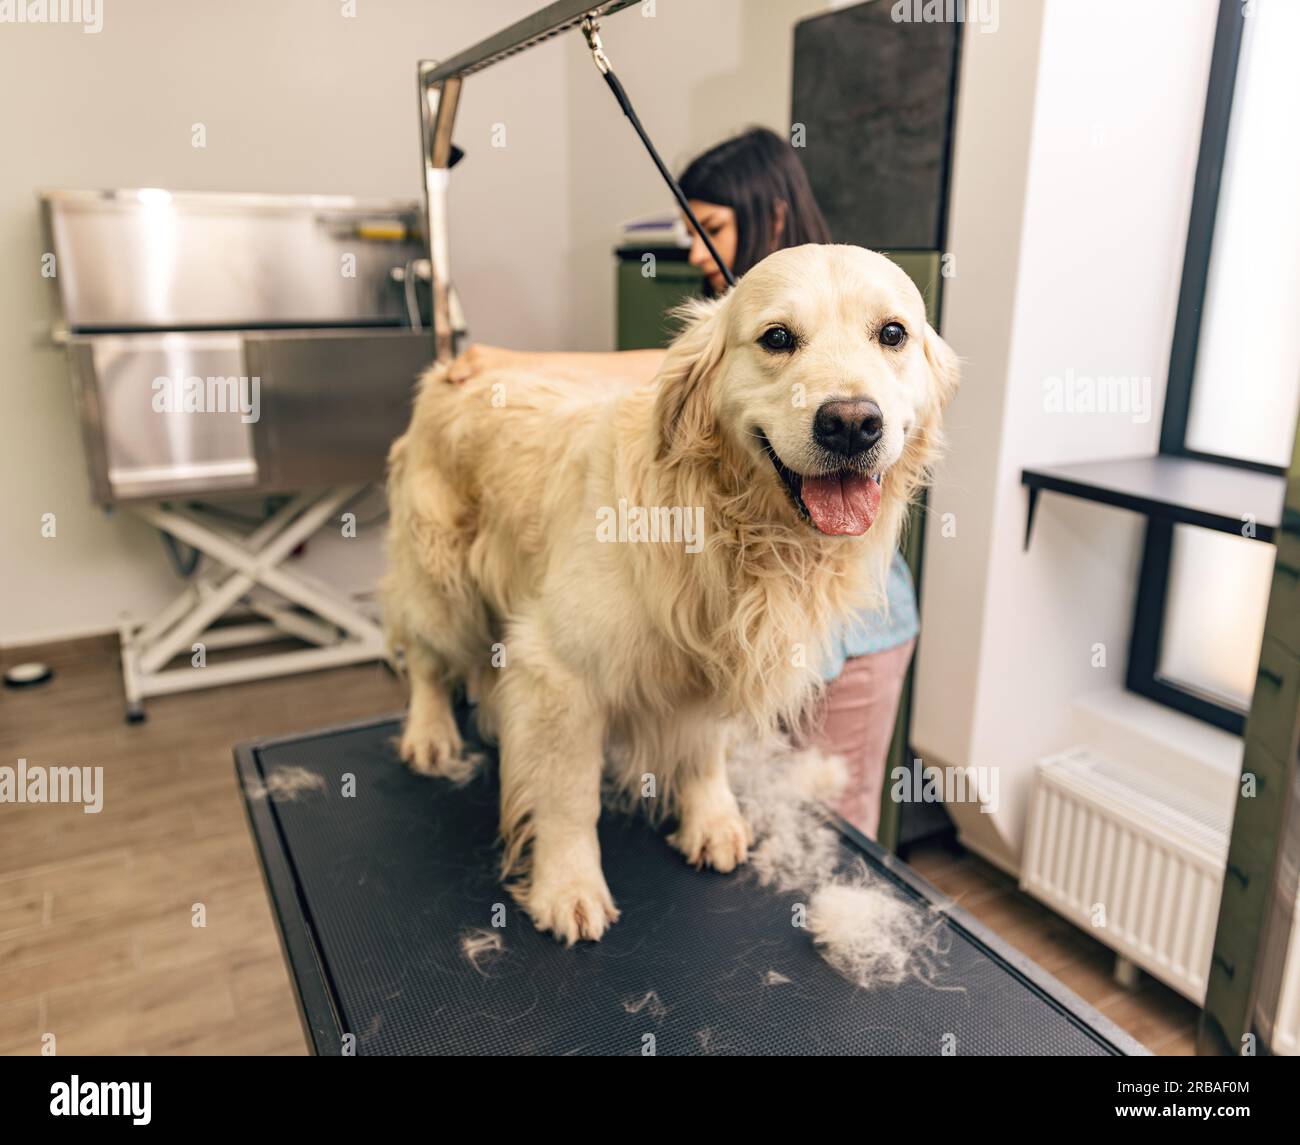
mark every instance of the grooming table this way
{"type": "Point", "coordinates": [375, 893]}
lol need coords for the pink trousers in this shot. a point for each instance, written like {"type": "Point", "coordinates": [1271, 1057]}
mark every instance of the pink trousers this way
{"type": "Point", "coordinates": [855, 719]}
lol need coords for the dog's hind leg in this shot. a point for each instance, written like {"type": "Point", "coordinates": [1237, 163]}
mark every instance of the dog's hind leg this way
{"type": "Point", "coordinates": [552, 740]}
{"type": "Point", "coordinates": [432, 609]}
{"type": "Point", "coordinates": [710, 827]}
{"type": "Point", "coordinates": [431, 742]}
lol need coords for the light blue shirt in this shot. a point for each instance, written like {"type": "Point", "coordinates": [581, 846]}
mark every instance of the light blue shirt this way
{"type": "Point", "coordinates": [878, 630]}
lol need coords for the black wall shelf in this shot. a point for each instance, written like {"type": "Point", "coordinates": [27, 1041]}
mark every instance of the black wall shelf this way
{"type": "Point", "coordinates": [1176, 489]}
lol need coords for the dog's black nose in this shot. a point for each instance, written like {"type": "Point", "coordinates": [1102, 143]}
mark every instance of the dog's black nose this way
{"type": "Point", "coordinates": [848, 427]}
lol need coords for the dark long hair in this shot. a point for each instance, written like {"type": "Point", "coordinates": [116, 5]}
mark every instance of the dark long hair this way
{"type": "Point", "coordinates": [751, 174]}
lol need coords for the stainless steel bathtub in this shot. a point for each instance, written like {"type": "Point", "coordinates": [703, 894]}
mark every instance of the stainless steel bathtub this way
{"type": "Point", "coordinates": [224, 343]}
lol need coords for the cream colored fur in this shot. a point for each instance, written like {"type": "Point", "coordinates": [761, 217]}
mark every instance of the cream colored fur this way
{"type": "Point", "coordinates": [580, 650]}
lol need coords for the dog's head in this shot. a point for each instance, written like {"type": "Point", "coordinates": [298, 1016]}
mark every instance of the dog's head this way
{"type": "Point", "coordinates": [820, 370]}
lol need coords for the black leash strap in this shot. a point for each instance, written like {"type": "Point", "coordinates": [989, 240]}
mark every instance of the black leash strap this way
{"type": "Point", "coordinates": [592, 33]}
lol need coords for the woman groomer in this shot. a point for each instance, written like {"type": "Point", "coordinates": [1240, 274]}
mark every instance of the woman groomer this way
{"type": "Point", "coordinates": [752, 196]}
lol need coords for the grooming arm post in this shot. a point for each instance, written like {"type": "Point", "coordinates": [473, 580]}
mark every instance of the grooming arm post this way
{"type": "Point", "coordinates": [440, 85]}
{"type": "Point", "coordinates": [532, 30]}
{"type": "Point", "coordinates": [438, 102]}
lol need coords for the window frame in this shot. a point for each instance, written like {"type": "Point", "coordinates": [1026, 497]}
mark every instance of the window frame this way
{"type": "Point", "coordinates": [1143, 675]}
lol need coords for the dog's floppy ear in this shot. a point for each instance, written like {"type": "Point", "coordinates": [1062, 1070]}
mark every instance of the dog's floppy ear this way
{"type": "Point", "coordinates": [943, 366]}
{"type": "Point", "coordinates": [925, 442]}
{"type": "Point", "coordinates": [683, 410]}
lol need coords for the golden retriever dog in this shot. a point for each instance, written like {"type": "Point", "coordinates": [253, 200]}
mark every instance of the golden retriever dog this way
{"type": "Point", "coordinates": [624, 579]}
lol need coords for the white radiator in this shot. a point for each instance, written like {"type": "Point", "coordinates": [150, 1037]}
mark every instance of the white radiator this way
{"type": "Point", "coordinates": [1110, 844]}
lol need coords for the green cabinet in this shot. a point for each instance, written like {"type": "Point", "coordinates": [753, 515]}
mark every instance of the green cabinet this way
{"type": "Point", "coordinates": [648, 291]}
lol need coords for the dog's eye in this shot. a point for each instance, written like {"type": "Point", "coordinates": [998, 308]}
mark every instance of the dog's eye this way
{"type": "Point", "coordinates": [892, 334]}
{"type": "Point", "coordinates": [777, 338]}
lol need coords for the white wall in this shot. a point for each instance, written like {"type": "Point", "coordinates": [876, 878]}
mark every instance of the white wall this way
{"type": "Point", "coordinates": [1068, 259]}
{"type": "Point", "coordinates": [296, 97]}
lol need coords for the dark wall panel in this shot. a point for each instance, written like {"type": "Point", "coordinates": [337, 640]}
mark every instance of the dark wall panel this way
{"type": "Point", "coordinates": [876, 98]}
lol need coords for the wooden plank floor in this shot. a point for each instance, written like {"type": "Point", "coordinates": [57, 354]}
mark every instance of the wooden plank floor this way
{"type": "Point", "coordinates": [1158, 1017]}
{"type": "Point", "coordinates": [96, 941]}
{"type": "Point", "coordinates": [97, 945]}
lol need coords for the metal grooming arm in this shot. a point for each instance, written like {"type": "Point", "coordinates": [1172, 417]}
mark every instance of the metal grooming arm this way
{"type": "Point", "coordinates": [440, 85]}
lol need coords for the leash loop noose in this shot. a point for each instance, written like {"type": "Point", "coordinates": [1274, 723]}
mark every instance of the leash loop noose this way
{"type": "Point", "coordinates": [591, 32]}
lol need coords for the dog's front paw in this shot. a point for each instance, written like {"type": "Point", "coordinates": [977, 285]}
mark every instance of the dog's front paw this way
{"type": "Point", "coordinates": [720, 841]}
{"type": "Point", "coordinates": [434, 748]}
{"type": "Point", "coordinates": [572, 908]}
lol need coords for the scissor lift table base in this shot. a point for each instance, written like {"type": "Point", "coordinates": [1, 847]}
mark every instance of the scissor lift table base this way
{"type": "Point", "coordinates": [247, 573]}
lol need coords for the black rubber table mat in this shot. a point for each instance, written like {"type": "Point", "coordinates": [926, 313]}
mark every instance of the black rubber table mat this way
{"type": "Point", "coordinates": [374, 893]}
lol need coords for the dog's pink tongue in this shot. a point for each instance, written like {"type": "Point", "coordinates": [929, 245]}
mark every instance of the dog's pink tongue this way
{"type": "Point", "coordinates": [843, 504]}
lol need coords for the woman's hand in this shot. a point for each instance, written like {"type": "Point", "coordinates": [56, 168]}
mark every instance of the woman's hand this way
{"type": "Point", "coordinates": [476, 359]}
